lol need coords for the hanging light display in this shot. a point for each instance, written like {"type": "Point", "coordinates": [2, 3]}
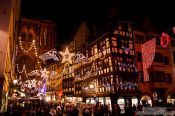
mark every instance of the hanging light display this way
{"type": "Point", "coordinates": [23, 70]}
{"type": "Point", "coordinates": [67, 56]}
{"type": "Point", "coordinates": [44, 74]}
{"type": "Point", "coordinates": [127, 85]}
{"type": "Point", "coordinates": [79, 57]}
{"type": "Point", "coordinates": [22, 47]}
{"type": "Point", "coordinates": [34, 73]}
{"type": "Point", "coordinates": [52, 54]}
{"type": "Point", "coordinates": [164, 40]}
{"type": "Point", "coordinates": [148, 53]}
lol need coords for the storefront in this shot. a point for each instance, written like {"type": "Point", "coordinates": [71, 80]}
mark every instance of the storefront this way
{"type": "Point", "coordinates": [101, 100]}
{"type": "Point", "coordinates": [134, 101]}
{"type": "Point", "coordinates": [121, 102]}
{"type": "Point", "coordinates": [127, 101]}
{"type": "Point", "coordinates": [73, 100]}
{"type": "Point", "coordinates": [146, 100]}
{"type": "Point", "coordinates": [171, 99]}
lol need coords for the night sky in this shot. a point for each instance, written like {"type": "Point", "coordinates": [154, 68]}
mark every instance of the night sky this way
{"type": "Point", "coordinates": [69, 13]}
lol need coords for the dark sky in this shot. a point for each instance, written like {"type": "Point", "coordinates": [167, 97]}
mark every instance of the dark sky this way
{"type": "Point", "coordinates": [69, 13]}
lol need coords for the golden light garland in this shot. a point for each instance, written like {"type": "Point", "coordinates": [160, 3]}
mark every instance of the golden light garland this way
{"type": "Point", "coordinates": [32, 46]}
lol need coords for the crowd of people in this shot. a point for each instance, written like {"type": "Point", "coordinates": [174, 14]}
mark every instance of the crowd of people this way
{"type": "Point", "coordinates": [42, 108]}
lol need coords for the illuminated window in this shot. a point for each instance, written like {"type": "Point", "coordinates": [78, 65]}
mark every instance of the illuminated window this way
{"type": "Point", "coordinates": [166, 60]}
{"type": "Point", "coordinates": [30, 37]}
{"type": "Point", "coordinates": [114, 50]}
{"type": "Point", "coordinates": [114, 41]}
{"type": "Point", "coordinates": [168, 77]}
{"type": "Point", "coordinates": [23, 36]}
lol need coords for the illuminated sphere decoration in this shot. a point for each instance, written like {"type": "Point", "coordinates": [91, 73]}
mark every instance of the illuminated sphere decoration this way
{"type": "Point", "coordinates": [164, 40]}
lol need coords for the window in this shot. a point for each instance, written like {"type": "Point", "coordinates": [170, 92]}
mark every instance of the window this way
{"type": "Point", "coordinates": [149, 37]}
{"type": "Point", "coordinates": [166, 60]}
{"type": "Point", "coordinates": [139, 56]}
{"type": "Point", "coordinates": [23, 36]}
{"type": "Point", "coordinates": [139, 38]}
{"type": "Point", "coordinates": [30, 37]}
{"type": "Point", "coordinates": [168, 78]}
{"type": "Point", "coordinates": [157, 41]}
{"type": "Point", "coordinates": [157, 76]}
{"type": "Point", "coordinates": [158, 57]}
{"type": "Point", "coordinates": [141, 78]}
{"type": "Point", "coordinates": [114, 41]}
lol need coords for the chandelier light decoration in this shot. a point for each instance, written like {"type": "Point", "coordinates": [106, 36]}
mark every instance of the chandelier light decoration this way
{"type": "Point", "coordinates": [79, 57]}
{"type": "Point", "coordinates": [32, 46]}
{"type": "Point", "coordinates": [148, 53]}
{"type": "Point", "coordinates": [34, 73]}
{"type": "Point", "coordinates": [28, 84]}
{"type": "Point", "coordinates": [52, 54]}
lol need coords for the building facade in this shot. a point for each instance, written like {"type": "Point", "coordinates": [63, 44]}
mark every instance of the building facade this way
{"type": "Point", "coordinates": [115, 71]}
{"type": "Point", "coordinates": [8, 18]}
{"type": "Point", "coordinates": [156, 90]}
{"type": "Point", "coordinates": [110, 76]}
{"type": "Point", "coordinates": [35, 37]}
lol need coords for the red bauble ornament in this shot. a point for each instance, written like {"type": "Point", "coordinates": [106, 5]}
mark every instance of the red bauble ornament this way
{"type": "Point", "coordinates": [164, 40]}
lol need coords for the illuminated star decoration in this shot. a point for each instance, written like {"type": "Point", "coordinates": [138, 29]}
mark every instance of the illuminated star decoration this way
{"type": "Point", "coordinates": [67, 56]}
{"type": "Point", "coordinates": [44, 74]}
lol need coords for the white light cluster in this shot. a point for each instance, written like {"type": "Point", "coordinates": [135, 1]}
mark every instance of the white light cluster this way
{"type": "Point", "coordinates": [52, 54]}
{"type": "Point", "coordinates": [79, 57]}
{"type": "Point", "coordinates": [128, 85]}
{"type": "Point", "coordinates": [33, 73]}
{"type": "Point", "coordinates": [30, 84]}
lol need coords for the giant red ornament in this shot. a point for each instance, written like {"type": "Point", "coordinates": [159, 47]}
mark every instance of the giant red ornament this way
{"type": "Point", "coordinates": [164, 40]}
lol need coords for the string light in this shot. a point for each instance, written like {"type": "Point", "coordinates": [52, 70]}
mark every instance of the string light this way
{"type": "Point", "coordinates": [148, 53]}
{"type": "Point", "coordinates": [23, 70]}
{"type": "Point", "coordinates": [29, 49]}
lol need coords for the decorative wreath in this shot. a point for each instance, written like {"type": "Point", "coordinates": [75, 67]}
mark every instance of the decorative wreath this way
{"type": "Point", "coordinates": [165, 40]}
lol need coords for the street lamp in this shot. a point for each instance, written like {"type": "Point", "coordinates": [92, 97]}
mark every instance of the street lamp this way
{"type": "Point", "coordinates": [15, 81]}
